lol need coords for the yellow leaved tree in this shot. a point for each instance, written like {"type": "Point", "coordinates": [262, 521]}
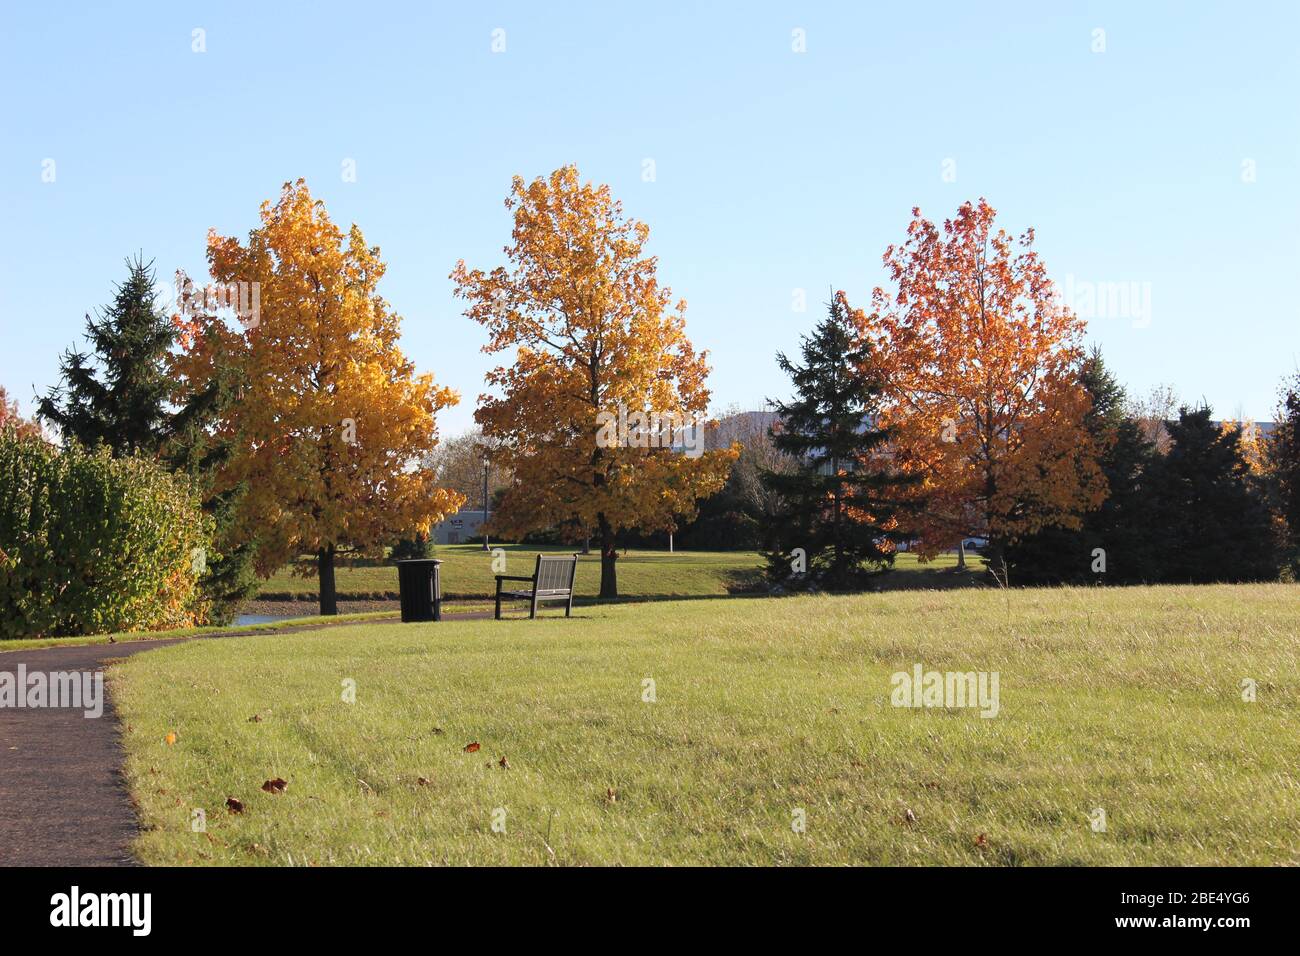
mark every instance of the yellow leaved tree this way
{"type": "Point", "coordinates": [600, 417]}
{"type": "Point", "coordinates": [326, 421]}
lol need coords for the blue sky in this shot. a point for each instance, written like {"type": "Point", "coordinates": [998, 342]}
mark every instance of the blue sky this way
{"type": "Point", "coordinates": [774, 170]}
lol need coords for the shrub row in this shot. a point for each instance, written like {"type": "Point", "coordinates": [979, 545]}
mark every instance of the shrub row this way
{"type": "Point", "coordinates": [92, 544]}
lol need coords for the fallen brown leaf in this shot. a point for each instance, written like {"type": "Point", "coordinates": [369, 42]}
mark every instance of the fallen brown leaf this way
{"type": "Point", "coordinates": [275, 786]}
{"type": "Point", "coordinates": [471, 748]}
{"type": "Point", "coordinates": [234, 806]}
{"type": "Point", "coordinates": [503, 763]}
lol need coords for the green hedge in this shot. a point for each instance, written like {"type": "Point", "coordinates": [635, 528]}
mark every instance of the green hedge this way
{"type": "Point", "coordinates": [91, 543]}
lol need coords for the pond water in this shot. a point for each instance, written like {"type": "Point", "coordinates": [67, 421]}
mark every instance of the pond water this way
{"type": "Point", "coordinates": [246, 619]}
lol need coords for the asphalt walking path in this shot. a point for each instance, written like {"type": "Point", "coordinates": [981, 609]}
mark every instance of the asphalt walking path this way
{"type": "Point", "coordinates": [63, 799]}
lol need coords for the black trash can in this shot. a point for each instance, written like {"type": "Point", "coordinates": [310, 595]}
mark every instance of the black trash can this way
{"type": "Point", "coordinates": [420, 585]}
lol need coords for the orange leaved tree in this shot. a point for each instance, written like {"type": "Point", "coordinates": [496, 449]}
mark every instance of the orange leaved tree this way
{"type": "Point", "coordinates": [328, 422]}
{"type": "Point", "coordinates": [9, 418]}
{"type": "Point", "coordinates": [983, 389]}
{"type": "Point", "coordinates": [593, 419]}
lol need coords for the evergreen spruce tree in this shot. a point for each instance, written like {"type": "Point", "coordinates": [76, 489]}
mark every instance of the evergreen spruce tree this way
{"type": "Point", "coordinates": [1283, 470]}
{"type": "Point", "coordinates": [116, 395]}
{"type": "Point", "coordinates": [1120, 526]}
{"type": "Point", "coordinates": [1212, 521]}
{"type": "Point", "coordinates": [836, 506]}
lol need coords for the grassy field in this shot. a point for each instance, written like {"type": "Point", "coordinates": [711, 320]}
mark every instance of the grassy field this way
{"type": "Point", "coordinates": [642, 575]}
{"type": "Point", "coordinates": [1127, 701]}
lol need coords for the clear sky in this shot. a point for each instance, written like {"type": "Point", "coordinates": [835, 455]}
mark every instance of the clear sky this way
{"type": "Point", "coordinates": [1168, 162]}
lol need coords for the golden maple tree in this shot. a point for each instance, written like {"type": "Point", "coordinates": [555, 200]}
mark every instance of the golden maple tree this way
{"type": "Point", "coordinates": [594, 335]}
{"type": "Point", "coordinates": [329, 422]}
{"type": "Point", "coordinates": [1253, 446]}
{"type": "Point", "coordinates": [983, 388]}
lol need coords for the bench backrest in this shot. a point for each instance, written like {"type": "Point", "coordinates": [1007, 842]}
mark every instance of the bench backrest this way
{"type": "Point", "coordinates": [555, 572]}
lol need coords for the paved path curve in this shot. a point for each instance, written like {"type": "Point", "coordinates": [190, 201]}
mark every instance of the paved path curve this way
{"type": "Point", "coordinates": [63, 800]}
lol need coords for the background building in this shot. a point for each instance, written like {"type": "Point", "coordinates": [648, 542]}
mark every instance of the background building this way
{"type": "Point", "coordinates": [459, 528]}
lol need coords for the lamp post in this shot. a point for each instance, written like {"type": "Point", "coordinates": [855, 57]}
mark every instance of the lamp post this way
{"type": "Point", "coordinates": [485, 503]}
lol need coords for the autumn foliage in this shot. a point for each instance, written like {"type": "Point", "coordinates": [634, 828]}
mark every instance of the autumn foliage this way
{"type": "Point", "coordinates": [10, 419]}
{"type": "Point", "coordinates": [591, 331]}
{"type": "Point", "coordinates": [983, 395]}
{"type": "Point", "coordinates": [331, 420]}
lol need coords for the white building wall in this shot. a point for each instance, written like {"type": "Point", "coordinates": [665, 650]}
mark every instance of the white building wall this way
{"type": "Point", "coordinates": [458, 528]}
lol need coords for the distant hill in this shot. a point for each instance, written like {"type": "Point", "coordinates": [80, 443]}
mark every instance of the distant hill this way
{"type": "Point", "coordinates": [736, 426]}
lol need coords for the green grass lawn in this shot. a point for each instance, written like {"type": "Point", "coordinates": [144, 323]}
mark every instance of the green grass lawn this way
{"type": "Point", "coordinates": [642, 575]}
{"type": "Point", "coordinates": [1126, 700]}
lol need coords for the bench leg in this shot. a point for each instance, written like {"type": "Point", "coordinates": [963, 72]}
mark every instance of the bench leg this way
{"type": "Point", "coordinates": [532, 613]}
{"type": "Point", "coordinates": [498, 614]}
{"type": "Point", "coordinates": [568, 608]}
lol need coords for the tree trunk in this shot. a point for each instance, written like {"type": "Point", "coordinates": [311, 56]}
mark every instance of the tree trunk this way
{"type": "Point", "coordinates": [329, 602]}
{"type": "Point", "coordinates": [961, 554]}
{"type": "Point", "coordinates": [608, 555]}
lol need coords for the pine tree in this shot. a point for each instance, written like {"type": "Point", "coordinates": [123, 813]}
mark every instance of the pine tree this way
{"type": "Point", "coordinates": [1119, 527]}
{"type": "Point", "coordinates": [116, 394]}
{"type": "Point", "coordinates": [1212, 522]}
{"type": "Point", "coordinates": [1283, 470]}
{"type": "Point", "coordinates": [839, 503]}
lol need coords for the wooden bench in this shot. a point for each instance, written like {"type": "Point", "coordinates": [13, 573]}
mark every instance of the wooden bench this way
{"type": "Point", "coordinates": [552, 580]}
